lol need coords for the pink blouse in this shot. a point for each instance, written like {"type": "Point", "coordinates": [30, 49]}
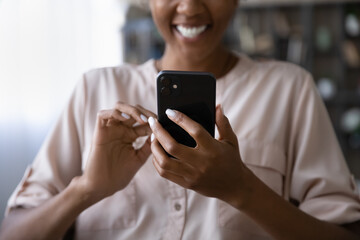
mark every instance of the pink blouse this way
{"type": "Point", "coordinates": [285, 137]}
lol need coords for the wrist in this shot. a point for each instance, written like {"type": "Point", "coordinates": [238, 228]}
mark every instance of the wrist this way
{"type": "Point", "coordinates": [245, 192]}
{"type": "Point", "coordinates": [82, 194]}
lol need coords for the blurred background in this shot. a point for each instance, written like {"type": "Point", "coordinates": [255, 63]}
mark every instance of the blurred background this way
{"type": "Point", "coordinates": [45, 46]}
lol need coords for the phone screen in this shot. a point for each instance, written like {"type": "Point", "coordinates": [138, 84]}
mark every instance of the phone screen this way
{"type": "Point", "coordinates": [192, 93]}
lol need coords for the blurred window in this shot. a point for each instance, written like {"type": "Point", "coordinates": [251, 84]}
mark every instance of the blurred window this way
{"type": "Point", "coordinates": [45, 46]}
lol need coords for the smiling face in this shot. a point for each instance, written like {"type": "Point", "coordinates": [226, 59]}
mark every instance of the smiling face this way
{"type": "Point", "coordinates": [192, 29]}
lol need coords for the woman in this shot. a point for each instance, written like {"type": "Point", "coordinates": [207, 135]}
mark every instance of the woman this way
{"type": "Point", "coordinates": [274, 171]}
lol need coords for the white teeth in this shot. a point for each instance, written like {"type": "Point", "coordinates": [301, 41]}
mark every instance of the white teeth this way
{"type": "Point", "coordinates": [190, 32]}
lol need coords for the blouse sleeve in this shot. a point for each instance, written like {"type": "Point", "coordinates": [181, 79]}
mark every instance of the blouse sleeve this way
{"type": "Point", "coordinates": [320, 180]}
{"type": "Point", "coordinates": [59, 158]}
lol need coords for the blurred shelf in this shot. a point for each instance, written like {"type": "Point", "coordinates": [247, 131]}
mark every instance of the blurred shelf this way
{"type": "Point", "coordinates": [345, 97]}
{"type": "Point", "coordinates": [352, 69]}
{"type": "Point", "coordinates": [353, 38]}
{"type": "Point", "coordinates": [325, 54]}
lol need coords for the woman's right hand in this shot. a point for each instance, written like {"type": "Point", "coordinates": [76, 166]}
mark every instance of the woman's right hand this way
{"type": "Point", "coordinates": [113, 161]}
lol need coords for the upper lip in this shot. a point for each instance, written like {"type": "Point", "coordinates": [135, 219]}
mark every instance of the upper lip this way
{"type": "Point", "coordinates": [190, 24]}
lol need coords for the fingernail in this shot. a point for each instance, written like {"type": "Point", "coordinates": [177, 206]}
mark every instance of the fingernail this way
{"type": "Point", "coordinates": [152, 137]}
{"type": "Point", "coordinates": [143, 118]}
{"type": "Point", "coordinates": [125, 115]}
{"type": "Point", "coordinates": [170, 113]}
{"type": "Point", "coordinates": [151, 121]}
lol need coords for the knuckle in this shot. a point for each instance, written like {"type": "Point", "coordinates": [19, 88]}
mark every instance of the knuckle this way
{"type": "Point", "coordinates": [196, 131]}
{"type": "Point", "coordinates": [163, 163]}
{"type": "Point", "coordinates": [119, 104]}
{"type": "Point", "coordinates": [113, 113]}
{"type": "Point", "coordinates": [101, 113]}
{"type": "Point", "coordinates": [171, 148]}
{"type": "Point", "coordinates": [162, 173]}
{"type": "Point", "coordinates": [134, 111]}
{"type": "Point", "coordinates": [204, 169]}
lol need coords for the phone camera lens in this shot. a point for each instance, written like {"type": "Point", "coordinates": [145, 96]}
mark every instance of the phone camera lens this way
{"type": "Point", "coordinates": [165, 91]}
{"type": "Point", "coordinates": [165, 81]}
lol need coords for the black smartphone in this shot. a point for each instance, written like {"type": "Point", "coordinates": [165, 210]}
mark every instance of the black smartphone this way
{"type": "Point", "coordinates": [192, 93]}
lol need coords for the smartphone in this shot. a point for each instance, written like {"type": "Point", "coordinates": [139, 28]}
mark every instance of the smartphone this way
{"type": "Point", "coordinates": [192, 93]}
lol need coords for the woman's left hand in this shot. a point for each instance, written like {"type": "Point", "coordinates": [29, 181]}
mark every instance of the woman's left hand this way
{"type": "Point", "coordinates": [213, 168]}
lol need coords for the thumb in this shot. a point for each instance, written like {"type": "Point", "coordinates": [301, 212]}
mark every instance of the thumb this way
{"type": "Point", "coordinates": [225, 130]}
{"type": "Point", "coordinates": [144, 152]}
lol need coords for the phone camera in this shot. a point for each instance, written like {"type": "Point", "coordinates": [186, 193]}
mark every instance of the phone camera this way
{"type": "Point", "coordinates": [165, 91]}
{"type": "Point", "coordinates": [165, 81]}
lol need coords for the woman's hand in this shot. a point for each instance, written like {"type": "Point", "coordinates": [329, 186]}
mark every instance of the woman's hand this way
{"type": "Point", "coordinates": [213, 168]}
{"type": "Point", "coordinates": [113, 161]}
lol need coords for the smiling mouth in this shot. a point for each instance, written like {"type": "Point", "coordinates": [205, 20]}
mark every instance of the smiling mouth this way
{"type": "Point", "coordinates": [191, 32]}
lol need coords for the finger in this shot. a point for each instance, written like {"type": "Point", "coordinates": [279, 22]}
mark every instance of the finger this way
{"type": "Point", "coordinates": [167, 141]}
{"type": "Point", "coordinates": [142, 130]}
{"type": "Point", "coordinates": [104, 117]}
{"type": "Point", "coordinates": [132, 112]}
{"type": "Point", "coordinates": [146, 112]}
{"type": "Point", "coordinates": [113, 116]}
{"type": "Point", "coordinates": [169, 164]}
{"type": "Point", "coordinates": [137, 131]}
{"type": "Point", "coordinates": [124, 118]}
{"type": "Point", "coordinates": [170, 176]}
{"type": "Point", "coordinates": [144, 152]}
{"type": "Point", "coordinates": [226, 132]}
{"type": "Point", "coordinates": [195, 130]}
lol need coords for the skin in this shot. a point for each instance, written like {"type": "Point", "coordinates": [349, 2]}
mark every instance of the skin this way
{"type": "Point", "coordinates": [112, 164]}
{"type": "Point", "coordinates": [212, 167]}
{"type": "Point", "coordinates": [209, 169]}
{"type": "Point", "coordinates": [200, 54]}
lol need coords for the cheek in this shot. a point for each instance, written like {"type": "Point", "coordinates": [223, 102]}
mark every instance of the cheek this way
{"type": "Point", "coordinates": [163, 26]}
{"type": "Point", "coordinates": [160, 8]}
{"type": "Point", "coordinates": [161, 14]}
{"type": "Point", "coordinates": [223, 16]}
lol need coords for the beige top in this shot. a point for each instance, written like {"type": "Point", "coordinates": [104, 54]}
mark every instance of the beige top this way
{"type": "Point", "coordinates": [285, 138]}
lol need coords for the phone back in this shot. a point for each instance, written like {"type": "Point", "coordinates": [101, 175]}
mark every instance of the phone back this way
{"type": "Point", "coordinates": [192, 93]}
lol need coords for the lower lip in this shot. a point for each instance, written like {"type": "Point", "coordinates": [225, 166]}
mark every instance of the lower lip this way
{"type": "Point", "coordinates": [191, 40]}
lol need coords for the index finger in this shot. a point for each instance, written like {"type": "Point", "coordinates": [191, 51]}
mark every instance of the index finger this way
{"type": "Point", "coordinates": [134, 114]}
{"type": "Point", "coordinates": [195, 130]}
{"type": "Point", "coordinates": [171, 146]}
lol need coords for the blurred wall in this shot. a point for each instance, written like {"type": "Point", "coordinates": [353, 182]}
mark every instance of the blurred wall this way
{"type": "Point", "coordinates": [45, 46]}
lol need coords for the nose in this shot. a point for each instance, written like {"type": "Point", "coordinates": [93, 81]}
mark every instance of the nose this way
{"type": "Point", "coordinates": [190, 7]}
